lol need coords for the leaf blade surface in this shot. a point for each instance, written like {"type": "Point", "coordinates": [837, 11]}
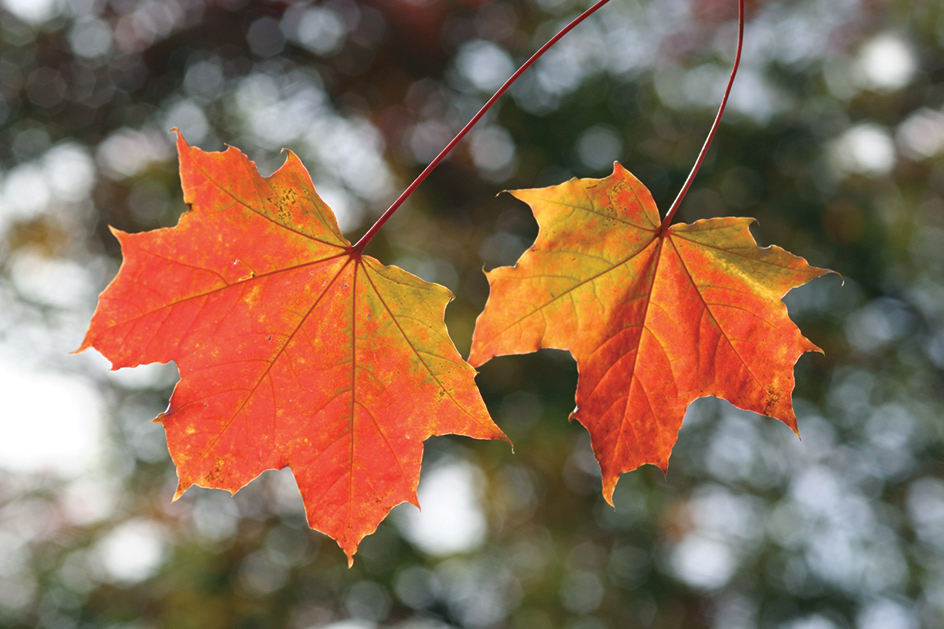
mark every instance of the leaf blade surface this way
{"type": "Point", "coordinates": [293, 351]}
{"type": "Point", "coordinates": [654, 320]}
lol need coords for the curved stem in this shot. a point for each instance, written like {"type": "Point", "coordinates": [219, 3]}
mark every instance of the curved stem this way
{"type": "Point", "coordinates": [714, 127]}
{"type": "Point", "coordinates": [359, 246]}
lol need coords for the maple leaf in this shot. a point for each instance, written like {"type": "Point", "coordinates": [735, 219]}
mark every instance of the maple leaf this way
{"type": "Point", "coordinates": [293, 349]}
{"type": "Point", "coordinates": [654, 319]}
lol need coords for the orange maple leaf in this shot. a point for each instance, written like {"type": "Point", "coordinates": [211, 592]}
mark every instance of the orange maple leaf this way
{"type": "Point", "coordinates": [654, 319]}
{"type": "Point", "coordinates": [293, 350]}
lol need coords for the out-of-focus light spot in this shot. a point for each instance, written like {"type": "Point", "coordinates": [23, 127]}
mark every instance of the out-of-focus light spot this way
{"type": "Point", "coordinates": [811, 622]}
{"type": "Point", "coordinates": [319, 29]}
{"type": "Point", "coordinates": [484, 64]}
{"type": "Point", "coordinates": [350, 624]}
{"type": "Point", "coordinates": [283, 490]}
{"type": "Point", "coordinates": [187, 116]}
{"type": "Point", "coordinates": [368, 601]}
{"type": "Point", "coordinates": [479, 594]}
{"type": "Point", "coordinates": [719, 513]}
{"type": "Point", "coordinates": [287, 545]}
{"type": "Point", "coordinates": [581, 592]}
{"type": "Point", "coordinates": [887, 614]}
{"type": "Point", "coordinates": [345, 208]}
{"type": "Point", "coordinates": [132, 551]}
{"type": "Point", "coordinates": [70, 171]}
{"type": "Point", "coordinates": [429, 269]}
{"type": "Point", "coordinates": [427, 139]}
{"type": "Point", "coordinates": [77, 573]}
{"type": "Point", "coordinates": [921, 135]}
{"type": "Point", "coordinates": [51, 281]}
{"type": "Point", "coordinates": [703, 563]}
{"type": "Point", "coordinates": [90, 37]}
{"type": "Point", "coordinates": [531, 97]}
{"type": "Point", "coordinates": [89, 499]}
{"type": "Point", "coordinates": [706, 557]}
{"type": "Point", "coordinates": [451, 520]}
{"type": "Point", "coordinates": [265, 37]}
{"type": "Point", "coordinates": [878, 323]}
{"type": "Point", "coordinates": [277, 118]}
{"type": "Point", "coordinates": [886, 63]}
{"type": "Point", "coordinates": [839, 76]}
{"type": "Point", "coordinates": [701, 84]}
{"type": "Point", "coordinates": [817, 490]}
{"type": "Point", "coordinates": [257, 91]}
{"type": "Point", "coordinates": [17, 584]}
{"type": "Point", "coordinates": [16, 592]}
{"type": "Point", "coordinates": [50, 422]}
{"type": "Point", "coordinates": [554, 6]}
{"type": "Point", "coordinates": [791, 37]}
{"type": "Point", "coordinates": [215, 515]}
{"type": "Point", "coordinates": [702, 87]}
{"type": "Point", "coordinates": [628, 49]}
{"type": "Point", "coordinates": [25, 194]}
{"type": "Point", "coordinates": [204, 79]}
{"type": "Point", "coordinates": [891, 430]}
{"type": "Point", "coordinates": [493, 153]}
{"type": "Point", "coordinates": [261, 575]}
{"type": "Point", "coordinates": [81, 8]}
{"type": "Point", "coordinates": [282, 111]}
{"type": "Point", "coordinates": [865, 149]}
{"type": "Point", "coordinates": [926, 509]}
{"type": "Point", "coordinates": [598, 147]}
{"type": "Point", "coordinates": [669, 81]}
{"type": "Point", "coordinates": [754, 96]}
{"type": "Point", "coordinates": [15, 554]}
{"type": "Point", "coordinates": [127, 152]}
{"type": "Point", "coordinates": [733, 450]}
{"type": "Point", "coordinates": [353, 151]}
{"type": "Point", "coordinates": [150, 20]}
{"type": "Point", "coordinates": [417, 587]}
{"type": "Point", "coordinates": [33, 11]}
{"type": "Point", "coordinates": [558, 72]}
{"type": "Point", "coordinates": [844, 544]}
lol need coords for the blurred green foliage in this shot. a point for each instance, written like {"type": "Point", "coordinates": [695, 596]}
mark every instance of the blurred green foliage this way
{"type": "Point", "coordinates": [834, 142]}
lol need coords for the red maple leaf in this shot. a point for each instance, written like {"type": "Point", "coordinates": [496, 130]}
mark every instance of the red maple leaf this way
{"type": "Point", "coordinates": [654, 318]}
{"type": "Point", "coordinates": [293, 349]}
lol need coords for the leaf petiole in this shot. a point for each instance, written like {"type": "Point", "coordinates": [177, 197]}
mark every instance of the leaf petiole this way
{"type": "Point", "coordinates": [714, 127]}
{"type": "Point", "coordinates": [358, 247]}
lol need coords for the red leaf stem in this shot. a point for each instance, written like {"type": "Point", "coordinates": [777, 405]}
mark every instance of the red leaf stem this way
{"type": "Point", "coordinates": [366, 238]}
{"type": "Point", "coordinates": [714, 127]}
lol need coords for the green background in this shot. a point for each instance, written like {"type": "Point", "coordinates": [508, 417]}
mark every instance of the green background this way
{"type": "Point", "coordinates": [833, 141]}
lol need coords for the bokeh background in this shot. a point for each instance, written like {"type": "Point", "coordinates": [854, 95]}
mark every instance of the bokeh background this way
{"type": "Point", "coordinates": [834, 141]}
